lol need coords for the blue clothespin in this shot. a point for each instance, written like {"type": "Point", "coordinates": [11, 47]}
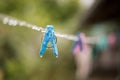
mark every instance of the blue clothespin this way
{"type": "Point", "coordinates": [49, 36]}
{"type": "Point", "coordinates": [78, 45]}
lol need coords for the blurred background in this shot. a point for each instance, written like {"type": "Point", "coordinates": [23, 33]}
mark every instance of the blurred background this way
{"type": "Point", "coordinates": [19, 46]}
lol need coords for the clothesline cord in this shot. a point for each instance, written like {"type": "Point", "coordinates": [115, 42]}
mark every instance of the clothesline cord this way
{"type": "Point", "coordinates": [15, 22]}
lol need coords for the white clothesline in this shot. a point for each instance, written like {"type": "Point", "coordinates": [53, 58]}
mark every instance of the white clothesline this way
{"type": "Point", "coordinates": [15, 22]}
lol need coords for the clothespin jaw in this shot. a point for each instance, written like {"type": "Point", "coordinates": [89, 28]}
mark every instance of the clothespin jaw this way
{"type": "Point", "coordinates": [49, 36]}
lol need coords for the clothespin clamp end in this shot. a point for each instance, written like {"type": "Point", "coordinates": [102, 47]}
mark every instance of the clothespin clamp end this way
{"type": "Point", "coordinates": [56, 56]}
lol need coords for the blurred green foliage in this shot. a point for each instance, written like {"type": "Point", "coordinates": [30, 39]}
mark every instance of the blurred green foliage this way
{"type": "Point", "coordinates": [19, 46]}
{"type": "Point", "coordinates": [57, 10]}
{"type": "Point", "coordinates": [60, 12]}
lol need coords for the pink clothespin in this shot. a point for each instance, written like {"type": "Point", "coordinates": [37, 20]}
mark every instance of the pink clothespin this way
{"type": "Point", "coordinates": [80, 45]}
{"type": "Point", "coordinates": [112, 39]}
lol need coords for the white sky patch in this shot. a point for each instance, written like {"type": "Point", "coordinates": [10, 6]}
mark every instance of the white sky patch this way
{"type": "Point", "coordinates": [86, 3]}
